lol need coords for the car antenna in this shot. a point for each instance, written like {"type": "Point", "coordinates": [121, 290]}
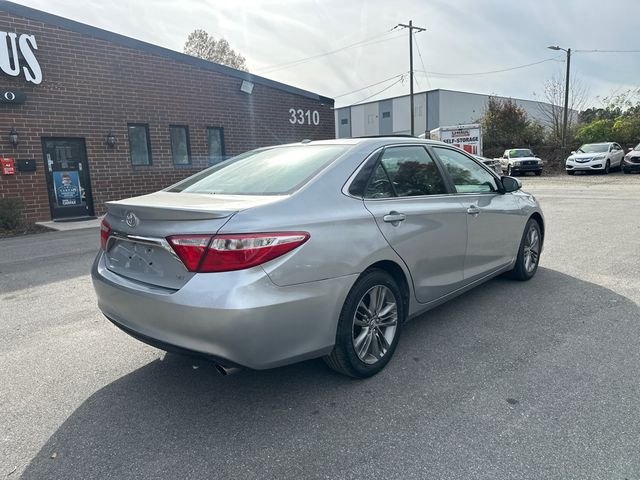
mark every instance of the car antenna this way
{"type": "Point", "coordinates": [306, 140]}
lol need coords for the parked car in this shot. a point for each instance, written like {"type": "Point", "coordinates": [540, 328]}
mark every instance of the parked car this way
{"type": "Point", "coordinates": [316, 249]}
{"type": "Point", "coordinates": [520, 160]}
{"type": "Point", "coordinates": [492, 163]}
{"type": "Point", "coordinates": [599, 157]}
{"type": "Point", "coordinates": [631, 162]}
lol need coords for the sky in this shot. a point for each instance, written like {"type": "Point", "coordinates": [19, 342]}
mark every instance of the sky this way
{"type": "Point", "coordinates": [463, 40]}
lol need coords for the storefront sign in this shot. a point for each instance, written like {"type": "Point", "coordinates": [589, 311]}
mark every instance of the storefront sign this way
{"type": "Point", "coordinates": [12, 96]}
{"type": "Point", "coordinates": [8, 166]}
{"type": "Point", "coordinates": [66, 186]}
{"type": "Point", "coordinates": [17, 56]}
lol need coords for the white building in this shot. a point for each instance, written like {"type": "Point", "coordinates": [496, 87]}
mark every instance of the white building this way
{"type": "Point", "coordinates": [432, 109]}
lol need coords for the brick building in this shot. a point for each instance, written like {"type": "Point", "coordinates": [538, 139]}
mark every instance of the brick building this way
{"type": "Point", "coordinates": [98, 116]}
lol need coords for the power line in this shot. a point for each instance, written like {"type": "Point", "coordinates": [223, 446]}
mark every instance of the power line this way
{"type": "Point", "coordinates": [605, 51]}
{"type": "Point", "coordinates": [362, 43]}
{"type": "Point", "coordinates": [462, 74]}
{"type": "Point", "coordinates": [368, 86]}
{"type": "Point", "coordinates": [424, 69]}
{"type": "Point", "coordinates": [383, 90]}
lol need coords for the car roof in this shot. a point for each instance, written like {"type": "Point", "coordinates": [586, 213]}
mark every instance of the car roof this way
{"type": "Point", "coordinates": [370, 141]}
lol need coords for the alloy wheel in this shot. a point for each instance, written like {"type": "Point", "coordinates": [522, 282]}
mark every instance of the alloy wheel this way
{"type": "Point", "coordinates": [531, 249]}
{"type": "Point", "coordinates": [374, 324]}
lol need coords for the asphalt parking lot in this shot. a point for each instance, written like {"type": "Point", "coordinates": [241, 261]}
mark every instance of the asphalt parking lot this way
{"type": "Point", "coordinates": [534, 380]}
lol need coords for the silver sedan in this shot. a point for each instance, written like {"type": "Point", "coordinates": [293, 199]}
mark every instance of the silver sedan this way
{"type": "Point", "coordinates": [317, 249]}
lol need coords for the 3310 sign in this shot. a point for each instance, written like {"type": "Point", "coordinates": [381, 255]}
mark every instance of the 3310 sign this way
{"type": "Point", "coordinates": [304, 117]}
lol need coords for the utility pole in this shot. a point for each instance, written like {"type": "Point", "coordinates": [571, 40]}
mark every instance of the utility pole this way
{"type": "Point", "coordinates": [566, 93]}
{"type": "Point", "coordinates": [566, 101]}
{"type": "Point", "coordinates": [411, 28]}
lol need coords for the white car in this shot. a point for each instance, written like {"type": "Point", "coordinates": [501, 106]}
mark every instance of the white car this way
{"type": "Point", "coordinates": [520, 160]}
{"type": "Point", "coordinates": [601, 157]}
{"type": "Point", "coordinates": [492, 163]}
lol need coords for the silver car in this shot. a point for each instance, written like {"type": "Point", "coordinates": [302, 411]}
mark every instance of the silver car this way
{"type": "Point", "coordinates": [317, 249]}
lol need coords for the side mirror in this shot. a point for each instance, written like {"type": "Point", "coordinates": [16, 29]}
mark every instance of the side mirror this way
{"type": "Point", "coordinates": [630, 149]}
{"type": "Point", "coordinates": [510, 184]}
{"type": "Point", "coordinates": [573, 152]}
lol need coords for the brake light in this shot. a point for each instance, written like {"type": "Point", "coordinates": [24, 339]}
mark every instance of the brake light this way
{"type": "Point", "coordinates": [223, 253]}
{"type": "Point", "coordinates": [105, 230]}
{"type": "Point", "coordinates": [190, 249]}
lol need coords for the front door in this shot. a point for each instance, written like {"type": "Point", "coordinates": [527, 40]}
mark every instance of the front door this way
{"type": "Point", "coordinates": [67, 172]}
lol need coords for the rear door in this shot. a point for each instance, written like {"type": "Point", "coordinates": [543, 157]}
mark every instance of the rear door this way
{"type": "Point", "coordinates": [494, 221]}
{"type": "Point", "coordinates": [422, 222]}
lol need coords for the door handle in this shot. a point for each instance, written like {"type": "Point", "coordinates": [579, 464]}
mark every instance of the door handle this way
{"type": "Point", "coordinates": [394, 218]}
{"type": "Point", "coordinates": [473, 210]}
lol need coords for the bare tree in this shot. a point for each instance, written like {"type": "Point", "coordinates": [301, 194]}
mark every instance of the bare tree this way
{"type": "Point", "coordinates": [552, 106]}
{"type": "Point", "coordinates": [202, 45]}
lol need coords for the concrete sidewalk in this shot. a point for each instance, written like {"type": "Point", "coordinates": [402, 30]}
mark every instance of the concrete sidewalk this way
{"type": "Point", "coordinates": [66, 226]}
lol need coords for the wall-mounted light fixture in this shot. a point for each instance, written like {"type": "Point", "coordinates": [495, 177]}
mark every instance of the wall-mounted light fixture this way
{"type": "Point", "coordinates": [110, 140]}
{"type": "Point", "coordinates": [246, 87]}
{"type": "Point", "coordinates": [13, 137]}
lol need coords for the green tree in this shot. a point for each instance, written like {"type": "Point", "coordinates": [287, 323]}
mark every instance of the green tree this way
{"type": "Point", "coordinates": [596, 131]}
{"type": "Point", "coordinates": [202, 45]}
{"type": "Point", "coordinates": [626, 129]}
{"type": "Point", "coordinates": [618, 120]}
{"type": "Point", "coordinates": [505, 125]}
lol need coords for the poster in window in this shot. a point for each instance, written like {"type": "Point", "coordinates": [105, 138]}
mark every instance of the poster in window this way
{"type": "Point", "coordinates": [67, 188]}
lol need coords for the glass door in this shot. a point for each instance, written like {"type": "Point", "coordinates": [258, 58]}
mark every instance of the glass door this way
{"type": "Point", "coordinates": [67, 172]}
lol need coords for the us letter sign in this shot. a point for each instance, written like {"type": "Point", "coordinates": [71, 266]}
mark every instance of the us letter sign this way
{"type": "Point", "coordinates": [17, 56]}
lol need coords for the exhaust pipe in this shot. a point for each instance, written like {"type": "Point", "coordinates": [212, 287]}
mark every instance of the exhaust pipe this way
{"type": "Point", "coordinates": [224, 371]}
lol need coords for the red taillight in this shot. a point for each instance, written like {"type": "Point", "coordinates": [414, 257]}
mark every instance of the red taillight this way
{"type": "Point", "coordinates": [190, 249]}
{"type": "Point", "coordinates": [224, 253]}
{"type": "Point", "coordinates": [105, 230]}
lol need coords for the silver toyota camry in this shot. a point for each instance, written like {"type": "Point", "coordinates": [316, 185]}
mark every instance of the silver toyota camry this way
{"type": "Point", "coordinates": [316, 249]}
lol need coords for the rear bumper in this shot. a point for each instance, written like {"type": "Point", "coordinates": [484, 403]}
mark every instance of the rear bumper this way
{"type": "Point", "coordinates": [233, 318]}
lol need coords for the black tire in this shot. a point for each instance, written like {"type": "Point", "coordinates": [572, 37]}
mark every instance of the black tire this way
{"type": "Point", "coordinates": [520, 270]}
{"type": "Point", "coordinates": [571, 172]}
{"type": "Point", "coordinates": [344, 358]}
{"type": "Point", "coordinates": [607, 167]}
{"type": "Point", "coordinates": [538, 173]}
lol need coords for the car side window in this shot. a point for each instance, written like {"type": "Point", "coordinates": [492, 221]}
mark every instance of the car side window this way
{"type": "Point", "coordinates": [467, 175]}
{"type": "Point", "coordinates": [379, 185]}
{"type": "Point", "coordinates": [408, 171]}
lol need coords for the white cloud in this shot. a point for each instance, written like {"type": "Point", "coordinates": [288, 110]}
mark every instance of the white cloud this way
{"type": "Point", "coordinates": [462, 36]}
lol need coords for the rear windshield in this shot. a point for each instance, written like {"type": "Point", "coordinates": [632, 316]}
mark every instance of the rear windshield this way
{"type": "Point", "coordinates": [272, 171]}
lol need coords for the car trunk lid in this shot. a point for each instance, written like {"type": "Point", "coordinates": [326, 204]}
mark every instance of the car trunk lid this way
{"type": "Point", "coordinates": [138, 248]}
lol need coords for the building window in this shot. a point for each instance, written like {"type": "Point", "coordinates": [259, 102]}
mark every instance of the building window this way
{"type": "Point", "coordinates": [180, 148]}
{"type": "Point", "coordinates": [139, 145]}
{"type": "Point", "coordinates": [215, 141]}
{"type": "Point", "coordinates": [344, 121]}
{"type": "Point", "coordinates": [386, 114]}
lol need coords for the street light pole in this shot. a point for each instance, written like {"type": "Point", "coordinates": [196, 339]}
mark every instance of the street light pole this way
{"type": "Point", "coordinates": [411, 29]}
{"type": "Point", "coordinates": [566, 94]}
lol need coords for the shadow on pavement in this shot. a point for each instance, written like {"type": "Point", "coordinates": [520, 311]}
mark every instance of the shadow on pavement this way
{"type": "Point", "coordinates": [495, 384]}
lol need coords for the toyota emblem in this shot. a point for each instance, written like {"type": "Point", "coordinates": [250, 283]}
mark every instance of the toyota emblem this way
{"type": "Point", "coordinates": [131, 220]}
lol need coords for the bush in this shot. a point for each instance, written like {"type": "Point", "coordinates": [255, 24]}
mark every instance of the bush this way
{"type": "Point", "coordinates": [596, 131]}
{"type": "Point", "coordinates": [10, 213]}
